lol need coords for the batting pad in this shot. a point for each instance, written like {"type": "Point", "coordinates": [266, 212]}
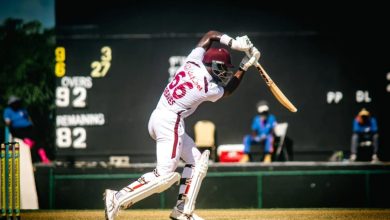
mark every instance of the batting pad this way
{"type": "Point", "coordinates": [199, 174]}
{"type": "Point", "coordinates": [157, 185]}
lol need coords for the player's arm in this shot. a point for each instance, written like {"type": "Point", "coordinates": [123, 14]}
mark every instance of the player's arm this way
{"type": "Point", "coordinates": [356, 127]}
{"type": "Point", "coordinates": [240, 43]}
{"type": "Point", "coordinates": [7, 122]}
{"type": "Point", "coordinates": [7, 117]}
{"type": "Point", "coordinates": [234, 82]}
{"type": "Point", "coordinates": [209, 38]}
{"type": "Point", "coordinates": [374, 125]}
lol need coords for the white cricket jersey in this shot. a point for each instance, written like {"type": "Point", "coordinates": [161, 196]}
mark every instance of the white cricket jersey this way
{"type": "Point", "coordinates": [191, 85]}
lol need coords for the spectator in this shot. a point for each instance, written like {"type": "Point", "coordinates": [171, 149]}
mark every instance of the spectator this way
{"type": "Point", "coordinates": [263, 126]}
{"type": "Point", "coordinates": [365, 130]}
{"type": "Point", "coordinates": [21, 126]}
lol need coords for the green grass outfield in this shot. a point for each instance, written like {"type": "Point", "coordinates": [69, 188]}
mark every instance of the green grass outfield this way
{"type": "Point", "coordinates": [216, 214]}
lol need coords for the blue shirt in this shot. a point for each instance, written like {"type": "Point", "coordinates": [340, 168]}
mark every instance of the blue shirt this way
{"type": "Point", "coordinates": [370, 127]}
{"type": "Point", "coordinates": [263, 127]}
{"type": "Point", "coordinates": [19, 118]}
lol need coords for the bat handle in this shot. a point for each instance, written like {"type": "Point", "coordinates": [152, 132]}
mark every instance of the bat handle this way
{"type": "Point", "coordinates": [256, 64]}
{"type": "Point", "coordinates": [254, 55]}
{"type": "Point", "coordinates": [263, 73]}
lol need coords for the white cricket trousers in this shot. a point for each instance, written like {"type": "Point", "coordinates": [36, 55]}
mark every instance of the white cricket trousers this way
{"type": "Point", "coordinates": [172, 142]}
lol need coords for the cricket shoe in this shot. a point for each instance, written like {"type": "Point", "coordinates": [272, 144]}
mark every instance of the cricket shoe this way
{"type": "Point", "coordinates": [177, 214]}
{"type": "Point", "coordinates": [111, 204]}
{"type": "Point", "coordinates": [374, 159]}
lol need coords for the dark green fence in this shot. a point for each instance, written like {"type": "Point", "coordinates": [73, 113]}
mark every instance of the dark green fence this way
{"type": "Point", "coordinates": [250, 189]}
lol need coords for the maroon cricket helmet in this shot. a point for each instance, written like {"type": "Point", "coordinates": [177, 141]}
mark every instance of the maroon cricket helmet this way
{"type": "Point", "coordinates": [218, 54]}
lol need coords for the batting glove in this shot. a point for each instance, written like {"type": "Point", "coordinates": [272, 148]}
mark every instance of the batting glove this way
{"type": "Point", "coordinates": [245, 64]}
{"type": "Point", "coordinates": [240, 43]}
{"type": "Point", "coordinates": [254, 52]}
{"type": "Point", "coordinates": [251, 58]}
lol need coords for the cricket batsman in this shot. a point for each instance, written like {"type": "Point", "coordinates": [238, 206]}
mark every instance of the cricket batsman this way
{"type": "Point", "coordinates": [204, 76]}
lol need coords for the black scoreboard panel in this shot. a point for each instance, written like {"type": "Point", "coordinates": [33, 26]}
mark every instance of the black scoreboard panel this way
{"type": "Point", "coordinates": [117, 105]}
{"type": "Point", "coordinates": [114, 59]}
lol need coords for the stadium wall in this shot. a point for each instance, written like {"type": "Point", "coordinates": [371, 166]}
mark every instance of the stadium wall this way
{"type": "Point", "coordinates": [281, 185]}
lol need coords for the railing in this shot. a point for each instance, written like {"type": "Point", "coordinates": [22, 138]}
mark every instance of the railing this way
{"type": "Point", "coordinates": [258, 174]}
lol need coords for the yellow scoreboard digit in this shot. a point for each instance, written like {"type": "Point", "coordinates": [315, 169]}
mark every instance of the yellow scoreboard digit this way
{"type": "Point", "coordinates": [60, 66]}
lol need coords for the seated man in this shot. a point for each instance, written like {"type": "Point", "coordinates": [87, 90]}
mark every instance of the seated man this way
{"type": "Point", "coordinates": [263, 126]}
{"type": "Point", "coordinates": [364, 129]}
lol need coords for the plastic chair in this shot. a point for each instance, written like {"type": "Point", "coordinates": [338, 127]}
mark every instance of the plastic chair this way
{"type": "Point", "coordinates": [205, 133]}
{"type": "Point", "coordinates": [280, 132]}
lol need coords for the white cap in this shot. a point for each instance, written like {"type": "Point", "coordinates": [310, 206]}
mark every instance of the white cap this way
{"type": "Point", "coordinates": [262, 108]}
{"type": "Point", "coordinates": [13, 99]}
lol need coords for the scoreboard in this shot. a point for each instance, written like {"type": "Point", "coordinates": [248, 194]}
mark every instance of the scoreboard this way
{"type": "Point", "coordinates": [106, 90]}
{"type": "Point", "coordinates": [113, 62]}
{"type": "Point", "coordinates": [74, 116]}
{"type": "Point", "coordinates": [72, 92]}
